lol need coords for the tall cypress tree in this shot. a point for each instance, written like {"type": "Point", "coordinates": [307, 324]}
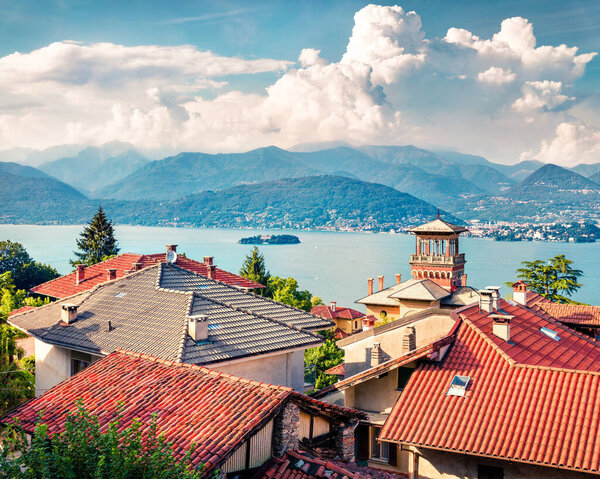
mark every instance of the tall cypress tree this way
{"type": "Point", "coordinates": [254, 269]}
{"type": "Point", "coordinates": [97, 241]}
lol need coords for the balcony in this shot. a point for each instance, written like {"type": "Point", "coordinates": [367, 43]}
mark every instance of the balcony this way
{"type": "Point", "coordinates": [437, 259]}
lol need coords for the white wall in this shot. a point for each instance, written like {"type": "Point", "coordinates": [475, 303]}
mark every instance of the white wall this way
{"type": "Point", "coordinates": [286, 369]}
{"type": "Point", "coordinates": [52, 365]}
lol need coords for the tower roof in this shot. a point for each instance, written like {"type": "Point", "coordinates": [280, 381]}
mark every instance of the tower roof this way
{"type": "Point", "coordinates": [438, 225]}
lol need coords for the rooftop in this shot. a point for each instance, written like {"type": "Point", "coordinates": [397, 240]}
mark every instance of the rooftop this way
{"type": "Point", "coordinates": [193, 404]}
{"type": "Point", "coordinates": [327, 312]}
{"type": "Point", "coordinates": [148, 312]}
{"type": "Point", "coordinates": [533, 399]}
{"type": "Point", "coordinates": [415, 289]}
{"type": "Point", "coordinates": [67, 285]}
{"type": "Point", "coordinates": [438, 226]}
{"type": "Point", "coordinates": [573, 314]}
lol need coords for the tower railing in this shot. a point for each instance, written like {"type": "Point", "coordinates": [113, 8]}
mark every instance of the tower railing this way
{"type": "Point", "coordinates": [437, 258]}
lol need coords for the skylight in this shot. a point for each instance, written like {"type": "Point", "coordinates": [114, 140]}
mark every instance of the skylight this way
{"type": "Point", "coordinates": [458, 386]}
{"type": "Point", "coordinates": [120, 295]}
{"type": "Point", "coordinates": [550, 333]}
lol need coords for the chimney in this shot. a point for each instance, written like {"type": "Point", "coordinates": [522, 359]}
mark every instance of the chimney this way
{"type": "Point", "coordinates": [211, 271]}
{"type": "Point", "coordinates": [198, 327]}
{"type": "Point", "coordinates": [485, 300]}
{"type": "Point", "coordinates": [398, 278]}
{"type": "Point", "coordinates": [520, 292]}
{"type": "Point", "coordinates": [409, 341]}
{"type": "Point", "coordinates": [376, 355]}
{"type": "Point", "coordinates": [68, 313]}
{"type": "Point", "coordinates": [172, 247]}
{"type": "Point", "coordinates": [495, 296]}
{"type": "Point", "coordinates": [501, 326]}
{"type": "Point", "coordinates": [463, 280]}
{"type": "Point", "coordinates": [367, 323]}
{"type": "Point", "coordinates": [80, 273]}
{"type": "Point", "coordinates": [137, 266]}
{"type": "Point", "coordinates": [333, 304]}
{"type": "Point", "coordinates": [380, 278]}
{"type": "Point", "coordinates": [208, 260]}
{"type": "Point", "coordinates": [111, 273]}
{"type": "Point", "coordinates": [369, 286]}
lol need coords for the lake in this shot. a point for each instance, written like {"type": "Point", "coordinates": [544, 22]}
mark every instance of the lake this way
{"type": "Point", "coordinates": [332, 265]}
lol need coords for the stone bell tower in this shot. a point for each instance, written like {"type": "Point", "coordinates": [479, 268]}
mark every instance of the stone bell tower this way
{"type": "Point", "coordinates": [437, 256]}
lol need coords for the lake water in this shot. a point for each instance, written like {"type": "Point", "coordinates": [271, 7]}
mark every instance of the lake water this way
{"type": "Point", "coordinates": [334, 266]}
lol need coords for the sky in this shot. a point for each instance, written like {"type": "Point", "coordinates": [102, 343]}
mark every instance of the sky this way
{"type": "Point", "coordinates": [508, 80]}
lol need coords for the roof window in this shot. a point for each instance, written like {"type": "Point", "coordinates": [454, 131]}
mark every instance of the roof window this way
{"type": "Point", "coordinates": [120, 295]}
{"type": "Point", "coordinates": [550, 333]}
{"type": "Point", "coordinates": [458, 386]}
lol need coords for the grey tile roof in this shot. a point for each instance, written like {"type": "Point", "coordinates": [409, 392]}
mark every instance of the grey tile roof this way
{"type": "Point", "coordinates": [415, 289]}
{"type": "Point", "coordinates": [151, 319]}
{"type": "Point", "coordinates": [180, 279]}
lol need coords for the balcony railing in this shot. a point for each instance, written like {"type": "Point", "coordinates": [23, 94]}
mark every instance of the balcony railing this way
{"type": "Point", "coordinates": [437, 258]}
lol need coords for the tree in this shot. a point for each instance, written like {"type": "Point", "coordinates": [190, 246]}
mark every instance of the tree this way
{"type": "Point", "coordinates": [26, 272]}
{"type": "Point", "coordinates": [88, 451]}
{"type": "Point", "coordinates": [254, 269]}
{"type": "Point", "coordinates": [554, 279]}
{"type": "Point", "coordinates": [97, 241]}
{"type": "Point", "coordinates": [285, 290]}
{"type": "Point", "coordinates": [322, 358]}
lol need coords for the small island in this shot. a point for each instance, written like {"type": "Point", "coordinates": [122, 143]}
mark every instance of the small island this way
{"type": "Point", "coordinates": [270, 239]}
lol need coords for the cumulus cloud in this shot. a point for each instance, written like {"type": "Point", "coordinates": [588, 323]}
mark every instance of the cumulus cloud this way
{"type": "Point", "coordinates": [391, 85]}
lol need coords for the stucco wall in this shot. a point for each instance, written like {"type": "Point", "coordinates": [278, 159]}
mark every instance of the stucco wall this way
{"type": "Point", "coordinates": [378, 395]}
{"type": "Point", "coordinates": [393, 312]}
{"type": "Point", "coordinates": [52, 365]}
{"type": "Point", "coordinates": [437, 464]}
{"type": "Point", "coordinates": [428, 329]}
{"type": "Point", "coordinates": [407, 306]}
{"type": "Point", "coordinates": [286, 369]}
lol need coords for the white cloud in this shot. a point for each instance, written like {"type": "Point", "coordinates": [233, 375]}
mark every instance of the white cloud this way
{"type": "Point", "coordinates": [496, 76]}
{"type": "Point", "coordinates": [310, 56]}
{"type": "Point", "coordinates": [540, 94]}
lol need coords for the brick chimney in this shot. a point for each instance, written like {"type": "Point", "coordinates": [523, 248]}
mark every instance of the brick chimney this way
{"type": "Point", "coordinates": [211, 271]}
{"type": "Point", "coordinates": [463, 280]}
{"type": "Point", "coordinates": [380, 278]}
{"type": "Point", "coordinates": [376, 355]}
{"type": "Point", "coordinates": [398, 278]}
{"type": "Point", "coordinates": [333, 305]}
{"type": "Point", "coordinates": [137, 266]}
{"type": "Point", "coordinates": [208, 260]}
{"type": "Point", "coordinates": [68, 313]}
{"type": "Point", "coordinates": [495, 296]}
{"type": "Point", "coordinates": [485, 301]}
{"type": "Point", "coordinates": [111, 273]}
{"type": "Point", "coordinates": [198, 327]}
{"type": "Point", "coordinates": [520, 292]}
{"type": "Point", "coordinates": [79, 273]}
{"type": "Point", "coordinates": [172, 247]}
{"type": "Point", "coordinates": [409, 340]}
{"type": "Point", "coordinates": [501, 326]}
{"type": "Point", "coordinates": [369, 286]}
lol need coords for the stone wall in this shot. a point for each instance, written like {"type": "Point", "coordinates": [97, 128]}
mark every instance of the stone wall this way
{"type": "Point", "coordinates": [285, 429]}
{"type": "Point", "coordinates": [344, 441]}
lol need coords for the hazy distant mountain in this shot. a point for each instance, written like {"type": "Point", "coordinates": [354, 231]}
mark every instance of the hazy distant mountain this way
{"type": "Point", "coordinates": [587, 170]}
{"type": "Point", "coordinates": [95, 167]}
{"type": "Point", "coordinates": [463, 158]}
{"type": "Point", "coordinates": [595, 177]}
{"type": "Point", "coordinates": [15, 155]}
{"type": "Point", "coordinates": [20, 170]}
{"type": "Point", "coordinates": [189, 173]}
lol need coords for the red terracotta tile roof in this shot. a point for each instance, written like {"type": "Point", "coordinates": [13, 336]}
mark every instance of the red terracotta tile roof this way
{"type": "Point", "coordinates": [65, 286]}
{"type": "Point", "coordinates": [339, 334]}
{"type": "Point", "coordinates": [532, 400]}
{"type": "Point", "coordinates": [22, 309]}
{"type": "Point", "coordinates": [577, 314]}
{"type": "Point", "coordinates": [338, 370]}
{"type": "Point", "coordinates": [301, 465]}
{"type": "Point", "coordinates": [534, 298]}
{"type": "Point", "coordinates": [340, 313]}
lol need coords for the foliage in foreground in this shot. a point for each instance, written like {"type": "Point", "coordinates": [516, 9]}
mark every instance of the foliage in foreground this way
{"type": "Point", "coordinates": [97, 241]}
{"type": "Point", "coordinates": [85, 451]}
{"type": "Point", "coordinates": [554, 279]}
{"type": "Point", "coordinates": [322, 358]}
{"type": "Point", "coordinates": [26, 273]}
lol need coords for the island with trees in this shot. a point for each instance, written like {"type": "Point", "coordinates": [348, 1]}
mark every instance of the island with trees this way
{"type": "Point", "coordinates": [270, 239]}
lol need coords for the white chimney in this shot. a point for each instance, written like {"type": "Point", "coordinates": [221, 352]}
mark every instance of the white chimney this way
{"type": "Point", "coordinates": [501, 326]}
{"type": "Point", "coordinates": [333, 305]}
{"type": "Point", "coordinates": [376, 355]}
{"type": "Point", "coordinates": [485, 301]}
{"type": "Point", "coordinates": [520, 292]}
{"type": "Point", "coordinates": [80, 273]}
{"type": "Point", "coordinates": [198, 327]}
{"type": "Point", "coordinates": [495, 296]}
{"type": "Point", "coordinates": [68, 313]}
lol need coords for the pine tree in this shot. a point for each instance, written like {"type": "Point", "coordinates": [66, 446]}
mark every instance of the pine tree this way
{"type": "Point", "coordinates": [97, 241]}
{"type": "Point", "coordinates": [254, 269]}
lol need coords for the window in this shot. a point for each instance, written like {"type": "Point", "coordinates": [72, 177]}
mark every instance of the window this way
{"type": "Point", "coordinates": [489, 472]}
{"type": "Point", "coordinates": [380, 451]}
{"type": "Point", "coordinates": [458, 386]}
{"type": "Point", "coordinates": [403, 377]}
{"type": "Point", "coordinates": [355, 324]}
{"type": "Point", "coordinates": [79, 361]}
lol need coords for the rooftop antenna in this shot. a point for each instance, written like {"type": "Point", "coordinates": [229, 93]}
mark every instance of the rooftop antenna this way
{"type": "Point", "coordinates": [171, 257]}
{"type": "Point", "coordinates": [438, 214]}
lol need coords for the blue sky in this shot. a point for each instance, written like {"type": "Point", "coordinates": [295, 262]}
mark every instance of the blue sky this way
{"type": "Point", "coordinates": [279, 31]}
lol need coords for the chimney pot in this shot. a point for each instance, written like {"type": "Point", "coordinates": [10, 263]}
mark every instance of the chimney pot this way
{"type": "Point", "coordinates": [68, 313]}
{"type": "Point", "coordinates": [198, 327]}
{"type": "Point", "coordinates": [370, 286]}
{"type": "Point", "coordinates": [463, 280]}
{"type": "Point", "coordinates": [172, 247]}
{"type": "Point", "coordinates": [398, 278]}
{"type": "Point", "coordinates": [485, 301]}
{"type": "Point", "coordinates": [137, 266]}
{"type": "Point", "coordinates": [376, 355]}
{"type": "Point", "coordinates": [495, 296]}
{"type": "Point", "coordinates": [211, 271]}
{"type": "Point", "coordinates": [333, 305]}
{"type": "Point", "coordinates": [520, 292]}
{"type": "Point", "coordinates": [208, 260]}
{"type": "Point", "coordinates": [409, 341]}
{"type": "Point", "coordinates": [380, 278]}
{"type": "Point", "coordinates": [111, 273]}
{"type": "Point", "coordinates": [501, 326]}
{"type": "Point", "coordinates": [80, 273]}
